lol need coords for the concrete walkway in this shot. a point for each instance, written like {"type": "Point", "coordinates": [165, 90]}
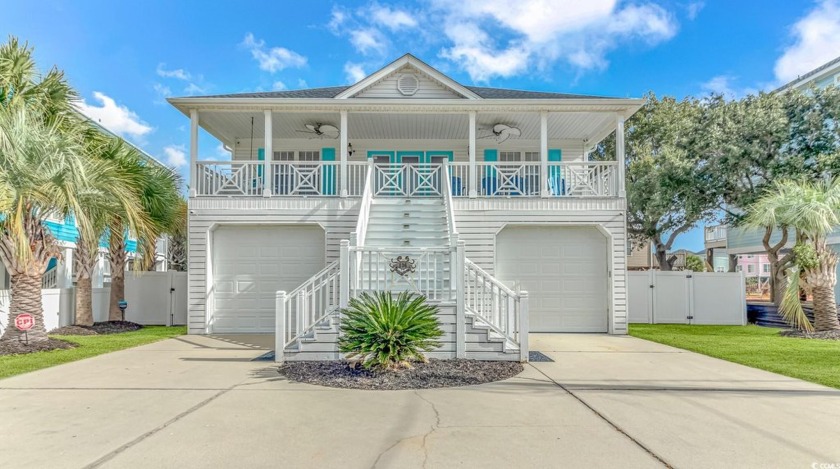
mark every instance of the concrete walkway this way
{"type": "Point", "coordinates": [604, 401]}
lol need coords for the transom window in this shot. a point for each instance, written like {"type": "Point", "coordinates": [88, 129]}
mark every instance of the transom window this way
{"type": "Point", "coordinates": [309, 156]}
{"type": "Point", "coordinates": [302, 155]}
{"type": "Point", "coordinates": [530, 156]}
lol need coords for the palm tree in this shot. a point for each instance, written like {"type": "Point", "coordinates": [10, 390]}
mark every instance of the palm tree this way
{"type": "Point", "coordinates": [812, 210]}
{"type": "Point", "coordinates": [42, 174]}
{"type": "Point", "coordinates": [114, 188]}
{"type": "Point", "coordinates": [159, 196]}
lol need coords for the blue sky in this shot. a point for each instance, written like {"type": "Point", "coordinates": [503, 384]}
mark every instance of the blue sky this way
{"type": "Point", "coordinates": [125, 58]}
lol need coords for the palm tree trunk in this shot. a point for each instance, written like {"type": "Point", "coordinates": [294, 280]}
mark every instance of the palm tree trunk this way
{"type": "Point", "coordinates": [84, 262]}
{"type": "Point", "coordinates": [117, 258]}
{"type": "Point", "coordinates": [26, 298]}
{"type": "Point", "coordinates": [821, 280]}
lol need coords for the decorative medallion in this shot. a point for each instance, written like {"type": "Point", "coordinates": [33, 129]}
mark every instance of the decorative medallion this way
{"type": "Point", "coordinates": [402, 265]}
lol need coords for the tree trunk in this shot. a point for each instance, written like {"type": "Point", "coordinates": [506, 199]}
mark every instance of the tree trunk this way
{"type": "Point", "coordinates": [84, 302]}
{"type": "Point", "coordinates": [26, 298]}
{"type": "Point", "coordinates": [821, 281]}
{"type": "Point", "coordinates": [117, 258]}
{"type": "Point", "coordinates": [777, 283]}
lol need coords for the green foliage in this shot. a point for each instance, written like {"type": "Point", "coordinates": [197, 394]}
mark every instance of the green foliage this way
{"type": "Point", "coordinates": [694, 263]}
{"type": "Point", "coordinates": [806, 256]}
{"type": "Point", "coordinates": [387, 332]}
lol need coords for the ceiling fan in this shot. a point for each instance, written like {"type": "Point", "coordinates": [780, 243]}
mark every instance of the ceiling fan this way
{"type": "Point", "coordinates": [319, 130]}
{"type": "Point", "coordinates": [502, 132]}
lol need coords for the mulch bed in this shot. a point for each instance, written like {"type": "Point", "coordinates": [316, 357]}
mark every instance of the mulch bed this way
{"type": "Point", "coordinates": [434, 374]}
{"type": "Point", "coordinates": [14, 347]}
{"type": "Point", "coordinates": [106, 327]}
{"type": "Point", "coordinates": [826, 335]}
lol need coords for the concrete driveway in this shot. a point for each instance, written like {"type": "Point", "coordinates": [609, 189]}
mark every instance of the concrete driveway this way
{"type": "Point", "coordinates": [605, 401]}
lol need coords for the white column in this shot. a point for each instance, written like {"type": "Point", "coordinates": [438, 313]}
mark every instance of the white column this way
{"type": "Point", "coordinates": [268, 153]}
{"type": "Point", "coordinates": [279, 326]}
{"type": "Point", "coordinates": [343, 155]}
{"type": "Point", "coordinates": [65, 269]}
{"type": "Point", "coordinates": [193, 150]}
{"type": "Point", "coordinates": [544, 154]}
{"type": "Point", "coordinates": [473, 170]}
{"type": "Point", "coordinates": [619, 153]}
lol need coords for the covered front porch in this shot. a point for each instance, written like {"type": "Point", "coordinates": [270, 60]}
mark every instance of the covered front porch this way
{"type": "Point", "coordinates": [288, 153]}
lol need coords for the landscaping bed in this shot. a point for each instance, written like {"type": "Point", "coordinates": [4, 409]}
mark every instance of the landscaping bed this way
{"type": "Point", "coordinates": [434, 374]}
{"type": "Point", "coordinates": [15, 347]}
{"type": "Point", "coordinates": [105, 327]}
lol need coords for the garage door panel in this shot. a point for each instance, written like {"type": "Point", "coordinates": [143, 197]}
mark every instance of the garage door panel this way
{"type": "Point", "coordinates": [251, 263]}
{"type": "Point", "coordinates": [564, 271]}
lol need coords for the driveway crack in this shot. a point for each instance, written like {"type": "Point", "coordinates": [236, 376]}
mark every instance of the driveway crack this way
{"type": "Point", "coordinates": [433, 428]}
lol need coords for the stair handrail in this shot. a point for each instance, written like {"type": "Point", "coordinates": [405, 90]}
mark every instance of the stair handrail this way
{"type": "Point", "coordinates": [50, 278]}
{"type": "Point", "coordinates": [503, 310]}
{"type": "Point", "coordinates": [364, 208]}
{"type": "Point", "coordinates": [298, 312]}
{"type": "Point", "coordinates": [447, 203]}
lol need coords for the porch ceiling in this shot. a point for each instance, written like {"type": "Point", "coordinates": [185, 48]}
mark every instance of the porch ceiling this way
{"type": "Point", "coordinates": [228, 126]}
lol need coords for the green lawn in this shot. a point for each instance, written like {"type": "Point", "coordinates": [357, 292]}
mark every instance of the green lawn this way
{"type": "Point", "coordinates": [813, 360]}
{"type": "Point", "coordinates": [87, 346]}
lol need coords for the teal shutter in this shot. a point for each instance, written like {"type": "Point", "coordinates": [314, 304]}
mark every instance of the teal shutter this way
{"type": "Point", "coordinates": [260, 157]}
{"type": "Point", "coordinates": [556, 184]}
{"type": "Point", "coordinates": [328, 182]}
{"type": "Point", "coordinates": [488, 182]}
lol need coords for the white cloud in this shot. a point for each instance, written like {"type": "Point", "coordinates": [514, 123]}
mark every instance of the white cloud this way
{"type": "Point", "coordinates": [721, 84]}
{"type": "Point", "coordinates": [530, 33]}
{"type": "Point", "coordinates": [354, 72]}
{"type": "Point", "coordinates": [302, 83]}
{"type": "Point", "coordinates": [162, 92]}
{"type": "Point", "coordinates": [272, 59]}
{"type": "Point", "coordinates": [179, 73]}
{"type": "Point", "coordinates": [337, 18]}
{"type": "Point", "coordinates": [279, 86]}
{"type": "Point", "coordinates": [368, 40]}
{"type": "Point", "coordinates": [176, 155]}
{"type": "Point", "coordinates": [193, 89]}
{"type": "Point", "coordinates": [693, 9]}
{"type": "Point", "coordinates": [816, 40]}
{"type": "Point", "coordinates": [392, 19]}
{"type": "Point", "coordinates": [118, 119]}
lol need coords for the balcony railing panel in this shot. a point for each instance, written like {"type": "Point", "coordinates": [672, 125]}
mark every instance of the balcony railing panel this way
{"type": "Point", "coordinates": [513, 179]}
{"type": "Point", "coordinates": [229, 178]}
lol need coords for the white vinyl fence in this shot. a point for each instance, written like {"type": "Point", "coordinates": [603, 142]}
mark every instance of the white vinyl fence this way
{"type": "Point", "coordinates": [656, 297]}
{"type": "Point", "coordinates": [154, 298]}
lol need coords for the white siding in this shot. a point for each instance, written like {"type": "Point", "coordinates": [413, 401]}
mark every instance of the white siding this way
{"type": "Point", "coordinates": [478, 222]}
{"type": "Point", "coordinates": [428, 88]}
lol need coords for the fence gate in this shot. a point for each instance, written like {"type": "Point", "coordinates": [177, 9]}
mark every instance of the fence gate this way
{"type": "Point", "coordinates": [686, 297]}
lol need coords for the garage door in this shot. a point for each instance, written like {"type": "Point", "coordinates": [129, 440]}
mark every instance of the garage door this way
{"type": "Point", "coordinates": [251, 263]}
{"type": "Point", "coordinates": [564, 270]}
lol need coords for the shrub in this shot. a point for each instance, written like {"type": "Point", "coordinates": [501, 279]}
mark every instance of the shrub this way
{"type": "Point", "coordinates": [694, 263]}
{"type": "Point", "coordinates": [387, 332]}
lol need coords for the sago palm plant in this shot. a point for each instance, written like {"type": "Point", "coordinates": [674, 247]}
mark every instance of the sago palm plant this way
{"type": "Point", "coordinates": [812, 210]}
{"type": "Point", "coordinates": [388, 333]}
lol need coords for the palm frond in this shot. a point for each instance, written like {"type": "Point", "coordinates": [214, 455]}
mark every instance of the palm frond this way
{"type": "Point", "coordinates": [791, 308]}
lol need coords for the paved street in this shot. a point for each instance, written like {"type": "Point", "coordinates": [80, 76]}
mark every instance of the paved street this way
{"type": "Point", "coordinates": [605, 401]}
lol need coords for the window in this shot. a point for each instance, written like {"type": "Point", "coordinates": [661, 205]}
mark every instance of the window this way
{"type": "Point", "coordinates": [765, 268]}
{"type": "Point", "coordinates": [749, 256]}
{"type": "Point", "coordinates": [509, 156]}
{"type": "Point", "coordinates": [284, 156]}
{"type": "Point", "coordinates": [532, 156]}
{"type": "Point", "coordinates": [750, 269]}
{"type": "Point", "coordinates": [309, 155]}
{"type": "Point", "coordinates": [739, 268]}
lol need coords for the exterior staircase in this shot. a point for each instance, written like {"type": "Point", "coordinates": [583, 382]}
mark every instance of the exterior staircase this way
{"type": "Point", "coordinates": [421, 229]}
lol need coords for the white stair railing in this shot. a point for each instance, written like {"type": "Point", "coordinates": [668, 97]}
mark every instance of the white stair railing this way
{"type": "Point", "coordinates": [358, 236]}
{"type": "Point", "coordinates": [407, 180]}
{"type": "Point", "coordinates": [298, 312]}
{"type": "Point", "coordinates": [497, 306]}
{"type": "Point", "coordinates": [50, 279]}
{"type": "Point", "coordinates": [424, 271]}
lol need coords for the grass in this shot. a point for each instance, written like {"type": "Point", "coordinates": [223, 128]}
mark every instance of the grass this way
{"type": "Point", "coordinates": [812, 360]}
{"type": "Point", "coordinates": [86, 347]}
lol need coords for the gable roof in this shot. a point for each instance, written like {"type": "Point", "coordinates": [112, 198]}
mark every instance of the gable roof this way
{"type": "Point", "coordinates": [802, 79]}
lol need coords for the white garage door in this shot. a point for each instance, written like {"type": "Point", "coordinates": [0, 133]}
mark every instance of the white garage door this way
{"type": "Point", "coordinates": [564, 270]}
{"type": "Point", "coordinates": [251, 263]}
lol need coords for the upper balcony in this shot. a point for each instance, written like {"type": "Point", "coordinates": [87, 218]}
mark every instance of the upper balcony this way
{"type": "Point", "coordinates": [715, 236]}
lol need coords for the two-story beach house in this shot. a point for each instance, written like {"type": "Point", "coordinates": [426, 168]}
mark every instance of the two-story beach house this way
{"type": "Point", "coordinates": [481, 199]}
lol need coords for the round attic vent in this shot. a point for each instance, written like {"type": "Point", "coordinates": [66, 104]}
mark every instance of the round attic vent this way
{"type": "Point", "coordinates": [407, 84]}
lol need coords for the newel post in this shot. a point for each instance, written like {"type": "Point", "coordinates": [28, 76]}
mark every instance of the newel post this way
{"type": "Point", "coordinates": [344, 273]}
{"type": "Point", "coordinates": [523, 326]}
{"type": "Point", "coordinates": [193, 151]}
{"type": "Point", "coordinates": [279, 326]}
{"type": "Point", "coordinates": [460, 306]}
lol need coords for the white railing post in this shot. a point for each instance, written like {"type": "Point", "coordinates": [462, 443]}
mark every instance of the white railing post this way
{"type": "Point", "coordinates": [342, 133]}
{"type": "Point", "coordinates": [344, 273]}
{"type": "Point", "coordinates": [619, 153]}
{"type": "Point", "coordinates": [544, 154]}
{"type": "Point", "coordinates": [523, 326]}
{"type": "Point", "coordinates": [473, 170]}
{"type": "Point", "coordinates": [279, 326]}
{"type": "Point", "coordinates": [193, 150]}
{"type": "Point", "coordinates": [268, 154]}
{"type": "Point", "coordinates": [460, 310]}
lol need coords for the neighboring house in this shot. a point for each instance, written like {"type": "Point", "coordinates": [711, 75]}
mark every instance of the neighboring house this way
{"type": "Point", "coordinates": [59, 272]}
{"type": "Point", "coordinates": [820, 77]}
{"type": "Point", "coordinates": [640, 256]}
{"type": "Point", "coordinates": [407, 165]}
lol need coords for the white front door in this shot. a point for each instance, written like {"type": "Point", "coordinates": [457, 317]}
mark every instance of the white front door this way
{"type": "Point", "coordinates": [564, 271]}
{"type": "Point", "coordinates": [251, 263]}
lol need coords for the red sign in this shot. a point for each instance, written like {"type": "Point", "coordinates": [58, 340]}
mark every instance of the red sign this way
{"type": "Point", "coordinates": [24, 321]}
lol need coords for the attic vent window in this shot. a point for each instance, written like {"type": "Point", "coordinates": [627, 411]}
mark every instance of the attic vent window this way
{"type": "Point", "coordinates": [407, 84]}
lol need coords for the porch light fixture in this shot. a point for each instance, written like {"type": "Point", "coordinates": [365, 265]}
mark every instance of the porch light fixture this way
{"type": "Point", "coordinates": [349, 149]}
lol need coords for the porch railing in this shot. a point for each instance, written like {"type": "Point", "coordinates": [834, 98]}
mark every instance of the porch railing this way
{"type": "Point", "coordinates": [424, 271]}
{"type": "Point", "coordinates": [407, 180]}
{"type": "Point", "coordinates": [498, 307]}
{"type": "Point", "coordinates": [299, 311]}
{"type": "Point", "coordinates": [229, 178]}
{"type": "Point", "coordinates": [510, 179]}
{"type": "Point", "coordinates": [716, 233]}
